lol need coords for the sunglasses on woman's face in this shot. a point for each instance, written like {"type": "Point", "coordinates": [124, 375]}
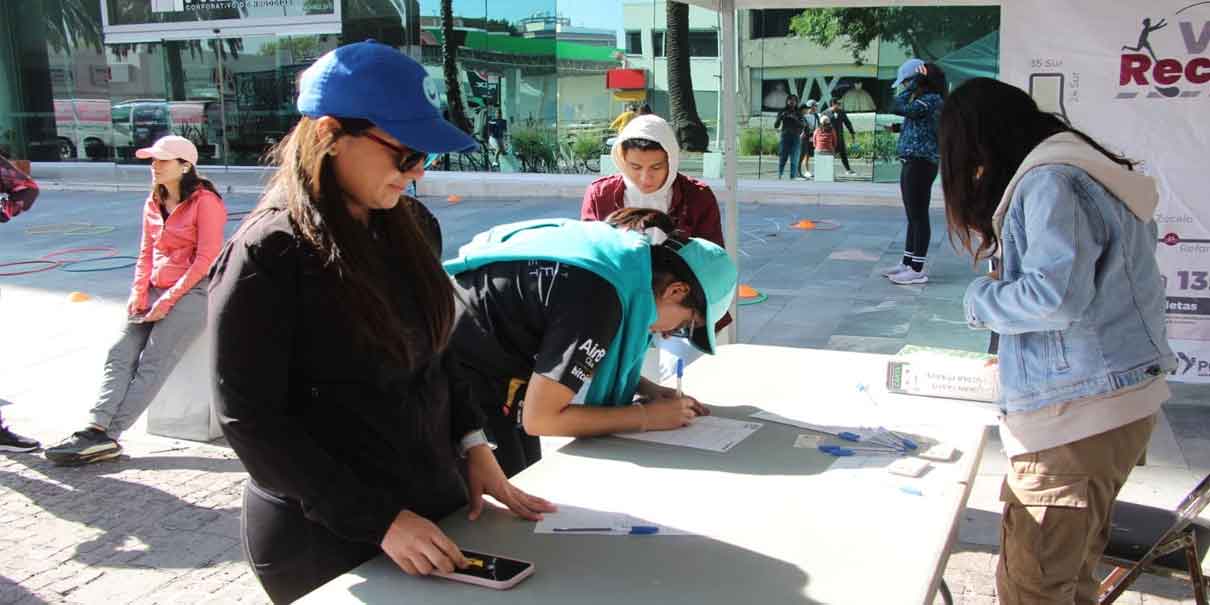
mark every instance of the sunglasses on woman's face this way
{"type": "Point", "coordinates": [408, 159]}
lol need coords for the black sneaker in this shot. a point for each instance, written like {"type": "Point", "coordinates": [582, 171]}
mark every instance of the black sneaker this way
{"type": "Point", "coordinates": [12, 442]}
{"type": "Point", "coordinates": [84, 447]}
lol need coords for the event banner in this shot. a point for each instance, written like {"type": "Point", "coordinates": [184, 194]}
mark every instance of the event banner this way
{"type": "Point", "coordinates": [1136, 76]}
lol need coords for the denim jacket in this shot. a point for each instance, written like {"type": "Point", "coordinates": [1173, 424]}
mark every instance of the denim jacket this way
{"type": "Point", "coordinates": [1080, 302]}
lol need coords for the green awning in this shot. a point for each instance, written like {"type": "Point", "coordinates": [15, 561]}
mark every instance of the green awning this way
{"type": "Point", "coordinates": [515, 45]}
{"type": "Point", "coordinates": [979, 59]}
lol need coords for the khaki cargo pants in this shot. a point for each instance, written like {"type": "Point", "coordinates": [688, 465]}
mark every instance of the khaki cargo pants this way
{"type": "Point", "coordinates": [1057, 508]}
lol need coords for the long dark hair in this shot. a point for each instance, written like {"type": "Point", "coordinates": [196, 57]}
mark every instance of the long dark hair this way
{"type": "Point", "coordinates": [305, 185]}
{"type": "Point", "coordinates": [641, 219]}
{"type": "Point", "coordinates": [190, 181]}
{"type": "Point", "coordinates": [666, 265]}
{"type": "Point", "coordinates": [934, 81]}
{"type": "Point", "coordinates": [987, 129]}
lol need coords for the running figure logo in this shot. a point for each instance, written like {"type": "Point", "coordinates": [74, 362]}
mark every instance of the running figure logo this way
{"type": "Point", "coordinates": [1144, 37]}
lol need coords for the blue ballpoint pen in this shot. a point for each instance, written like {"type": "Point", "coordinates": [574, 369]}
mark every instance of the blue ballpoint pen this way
{"type": "Point", "coordinates": [855, 438]}
{"type": "Point", "coordinates": [680, 373]}
{"type": "Point", "coordinates": [837, 450]}
{"type": "Point", "coordinates": [634, 530]}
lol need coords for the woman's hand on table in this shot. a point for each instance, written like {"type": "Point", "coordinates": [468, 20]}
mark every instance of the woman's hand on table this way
{"type": "Point", "coordinates": [484, 476]}
{"type": "Point", "coordinates": [419, 547]}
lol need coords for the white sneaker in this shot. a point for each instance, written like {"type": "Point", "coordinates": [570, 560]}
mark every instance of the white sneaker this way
{"type": "Point", "coordinates": [889, 271]}
{"type": "Point", "coordinates": [808, 175]}
{"type": "Point", "coordinates": [908, 277]}
{"type": "Point", "coordinates": [800, 178]}
{"type": "Point", "coordinates": [850, 173]}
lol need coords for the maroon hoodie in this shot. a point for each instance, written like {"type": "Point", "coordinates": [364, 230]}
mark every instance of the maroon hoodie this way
{"type": "Point", "coordinates": [693, 207]}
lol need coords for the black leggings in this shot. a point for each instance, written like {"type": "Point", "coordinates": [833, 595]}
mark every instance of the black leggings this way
{"type": "Point", "coordinates": [842, 150]}
{"type": "Point", "coordinates": [916, 184]}
{"type": "Point", "coordinates": [290, 554]}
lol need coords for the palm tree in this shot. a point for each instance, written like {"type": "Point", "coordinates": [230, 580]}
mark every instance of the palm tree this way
{"type": "Point", "coordinates": [449, 60]}
{"type": "Point", "coordinates": [691, 133]}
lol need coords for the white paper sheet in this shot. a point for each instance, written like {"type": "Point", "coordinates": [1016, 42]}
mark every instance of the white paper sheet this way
{"type": "Point", "coordinates": [618, 524]}
{"type": "Point", "coordinates": [706, 433]}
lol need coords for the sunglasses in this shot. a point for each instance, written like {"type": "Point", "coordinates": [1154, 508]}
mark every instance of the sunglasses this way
{"type": "Point", "coordinates": [408, 159]}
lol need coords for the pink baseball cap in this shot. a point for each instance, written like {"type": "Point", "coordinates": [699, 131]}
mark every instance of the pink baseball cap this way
{"type": "Point", "coordinates": [170, 147]}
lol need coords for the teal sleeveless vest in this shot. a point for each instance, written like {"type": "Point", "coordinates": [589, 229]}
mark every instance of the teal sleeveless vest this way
{"type": "Point", "coordinates": [622, 258]}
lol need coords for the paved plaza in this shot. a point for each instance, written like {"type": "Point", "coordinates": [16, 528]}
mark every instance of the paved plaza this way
{"type": "Point", "coordinates": [161, 524]}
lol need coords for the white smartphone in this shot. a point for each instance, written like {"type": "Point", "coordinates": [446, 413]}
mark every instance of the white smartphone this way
{"type": "Point", "coordinates": [491, 571]}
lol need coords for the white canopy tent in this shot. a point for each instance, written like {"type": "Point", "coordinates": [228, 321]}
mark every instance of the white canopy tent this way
{"type": "Point", "coordinates": [726, 10]}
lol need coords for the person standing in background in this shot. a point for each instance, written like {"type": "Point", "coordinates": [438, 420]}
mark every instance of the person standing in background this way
{"type": "Point", "coordinates": [789, 123]}
{"type": "Point", "coordinates": [810, 120]}
{"type": "Point", "coordinates": [624, 118]}
{"type": "Point", "coordinates": [840, 121]}
{"type": "Point", "coordinates": [920, 102]}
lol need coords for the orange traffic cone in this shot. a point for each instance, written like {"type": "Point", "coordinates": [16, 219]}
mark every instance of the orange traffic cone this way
{"type": "Point", "coordinates": [804, 224]}
{"type": "Point", "coordinates": [78, 297]}
{"type": "Point", "coordinates": [454, 199]}
{"type": "Point", "coordinates": [746, 291]}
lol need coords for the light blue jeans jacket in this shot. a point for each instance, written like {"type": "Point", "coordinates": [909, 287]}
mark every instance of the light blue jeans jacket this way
{"type": "Point", "coordinates": [1080, 303]}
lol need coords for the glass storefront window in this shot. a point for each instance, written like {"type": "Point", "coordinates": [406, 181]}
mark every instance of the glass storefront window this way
{"type": "Point", "coordinates": [104, 77]}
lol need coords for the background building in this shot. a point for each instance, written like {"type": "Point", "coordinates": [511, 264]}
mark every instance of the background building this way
{"type": "Point", "coordinates": [93, 80]}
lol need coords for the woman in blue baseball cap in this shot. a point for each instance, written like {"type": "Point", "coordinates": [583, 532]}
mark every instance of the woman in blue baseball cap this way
{"type": "Point", "coordinates": [919, 101]}
{"type": "Point", "coordinates": [330, 319]}
{"type": "Point", "coordinates": [549, 308]}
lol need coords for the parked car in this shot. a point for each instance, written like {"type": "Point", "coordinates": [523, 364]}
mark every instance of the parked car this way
{"type": "Point", "coordinates": [83, 129]}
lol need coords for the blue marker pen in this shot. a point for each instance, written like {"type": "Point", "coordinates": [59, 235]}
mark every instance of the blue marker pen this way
{"type": "Point", "coordinates": [680, 374]}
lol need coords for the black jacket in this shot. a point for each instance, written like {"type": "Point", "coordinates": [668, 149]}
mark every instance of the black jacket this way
{"type": "Point", "coordinates": [789, 122]}
{"type": "Point", "coordinates": [317, 417]}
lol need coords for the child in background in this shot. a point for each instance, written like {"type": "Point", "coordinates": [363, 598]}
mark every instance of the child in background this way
{"type": "Point", "coordinates": [825, 137]}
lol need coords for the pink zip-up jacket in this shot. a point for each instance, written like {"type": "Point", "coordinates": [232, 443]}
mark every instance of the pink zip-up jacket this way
{"type": "Point", "coordinates": [176, 253]}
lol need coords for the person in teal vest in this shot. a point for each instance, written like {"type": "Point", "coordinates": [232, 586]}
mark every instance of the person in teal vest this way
{"type": "Point", "coordinates": [547, 309]}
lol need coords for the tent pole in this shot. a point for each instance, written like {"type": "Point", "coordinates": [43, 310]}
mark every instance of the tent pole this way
{"type": "Point", "coordinates": [731, 228]}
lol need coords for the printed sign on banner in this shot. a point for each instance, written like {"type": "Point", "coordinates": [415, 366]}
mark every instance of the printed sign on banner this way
{"type": "Point", "coordinates": [1135, 76]}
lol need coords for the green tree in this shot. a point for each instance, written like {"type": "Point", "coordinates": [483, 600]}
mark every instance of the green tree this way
{"type": "Point", "coordinates": [449, 61]}
{"type": "Point", "coordinates": [913, 27]}
{"type": "Point", "coordinates": [691, 133]}
{"type": "Point", "coordinates": [75, 24]}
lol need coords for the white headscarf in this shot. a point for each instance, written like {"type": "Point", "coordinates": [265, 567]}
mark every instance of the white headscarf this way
{"type": "Point", "coordinates": [652, 128]}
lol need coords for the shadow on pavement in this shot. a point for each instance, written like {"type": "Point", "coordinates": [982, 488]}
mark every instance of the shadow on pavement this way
{"type": "Point", "coordinates": [140, 525]}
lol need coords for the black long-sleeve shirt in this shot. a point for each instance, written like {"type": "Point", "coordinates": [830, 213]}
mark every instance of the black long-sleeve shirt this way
{"type": "Point", "coordinates": [789, 122]}
{"type": "Point", "coordinates": [316, 417]}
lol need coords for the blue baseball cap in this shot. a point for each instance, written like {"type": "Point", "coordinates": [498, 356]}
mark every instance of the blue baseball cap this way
{"type": "Point", "coordinates": [375, 82]}
{"type": "Point", "coordinates": [717, 276]}
{"type": "Point", "coordinates": [907, 70]}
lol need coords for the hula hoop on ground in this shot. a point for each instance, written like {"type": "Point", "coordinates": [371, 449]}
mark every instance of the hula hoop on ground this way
{"type": "Point", "coordinates": [69, 229]}
{"type": "Point", "coordinates": [109, 251]}
{"type": "Point", "coordinates": [47, 266]}
{"type": "Point", "coordinates": [69, 267]}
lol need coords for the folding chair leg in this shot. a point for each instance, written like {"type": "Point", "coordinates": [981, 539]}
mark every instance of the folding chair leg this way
{"type": "Point", "coordinates": [1111, 582]}
{"type": "Point", "coordinates": [1195, 571]}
